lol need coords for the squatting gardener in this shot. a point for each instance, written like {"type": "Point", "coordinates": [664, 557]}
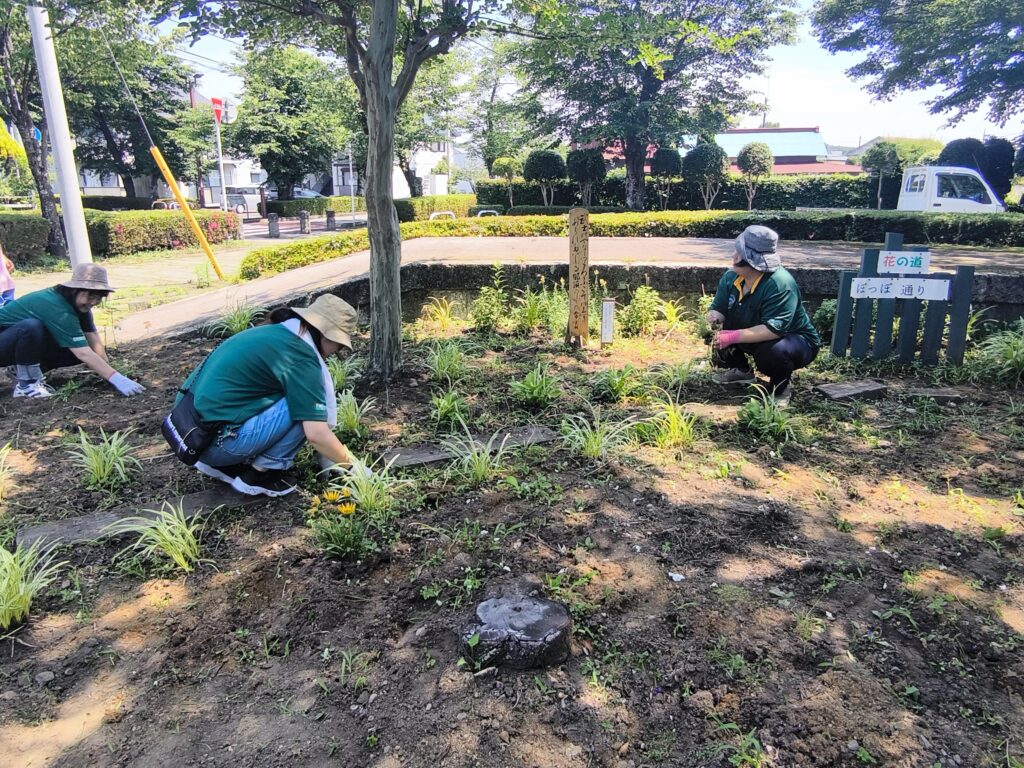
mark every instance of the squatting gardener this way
{"type": "Point", "coordinates": [759, 309]}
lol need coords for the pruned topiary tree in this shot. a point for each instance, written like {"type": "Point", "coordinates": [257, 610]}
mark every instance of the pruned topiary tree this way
{"type": "Point", "coordinates": [665, 166]}
{"type": "Point", "coordinates": [507, 168]}
{"type": "Point", "coordinates": [706, 165]}
{"type": "Point", "coordinates": [755, 163]}
{"type": "Point", "coordinates": [881, 159]}
{"type": "Point", "coordinates": [544, 166]}
{"type": "Point", "coordinates": [586, 167]}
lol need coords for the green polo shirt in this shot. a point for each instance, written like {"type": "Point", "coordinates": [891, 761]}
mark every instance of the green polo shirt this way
{"type": "Point", "coordinates": [66, 324]}
{"type": "Point", "coordinates": [254, 369]}
{"type": "Point", "coordinates": [773, 300]}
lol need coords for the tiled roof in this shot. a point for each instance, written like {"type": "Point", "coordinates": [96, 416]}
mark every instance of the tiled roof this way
{"type": "Point", "coordinates": [831, 166]}
{"type": "Point", "coordinates": [783, 142]}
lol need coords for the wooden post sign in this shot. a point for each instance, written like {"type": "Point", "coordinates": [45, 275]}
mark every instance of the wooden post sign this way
{"type": "Point", "coordinates": [894, 284]}
{"type": "Point", "coordinates": [579, 278]}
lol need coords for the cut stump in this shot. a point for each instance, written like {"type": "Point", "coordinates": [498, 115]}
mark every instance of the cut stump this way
{"type": "Point", "coordinates": [77, 530]}
{"type": "Point", "coordinates": [518, 628]}
{"type": "Point", "coordinates": [865, 389]}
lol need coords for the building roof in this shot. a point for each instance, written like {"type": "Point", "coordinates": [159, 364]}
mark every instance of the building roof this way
{"type": "Point", "coordinates": [783, 142]}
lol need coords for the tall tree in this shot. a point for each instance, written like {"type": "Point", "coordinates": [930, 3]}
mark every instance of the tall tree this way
{"type": "Point", "coordinates": [193, 135]}
{"type": "Point", "coordinates": [883, 160]}
{"type": "Point", "coordinates": [971, 49]}
{"type": "Point", "coordinates": [997, 168]}
{"type": "Point", "coordinates": [707, 166]}
{"type": "Point", "coordinates": [292, 115]}
{"type": "Point", "coordinates": [108, 135]}
{"type": "Point", "coordinates": [383, 44]}
{"type": "Point", "coordinates": [641, 72]}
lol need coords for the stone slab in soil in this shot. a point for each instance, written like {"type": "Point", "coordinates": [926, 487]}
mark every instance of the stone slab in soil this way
{"type": "Point", "coordinates": [518, 628]}
{"type": "Point", "coordinates": [941, 395]}
{"type": "Point", "coordinates": [865, 389]}
{"type": "Point", "coordinates": [76, 530]}
{"type": "Point", "coordinates": [432, 453]}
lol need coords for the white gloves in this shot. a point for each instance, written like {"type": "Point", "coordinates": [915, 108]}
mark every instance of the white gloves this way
{"type": "Point", "coordinates": [126, 386]}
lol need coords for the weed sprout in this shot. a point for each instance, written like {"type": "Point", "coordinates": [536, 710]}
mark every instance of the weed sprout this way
{"type": "Point", "coordinates": [762, 417]}
{"type": "Point", "coordinates": [24, 573]}
{"type": "Point", "coordinates": [537, 390]}
{"type": "Point", "coordinates": [449, 408]}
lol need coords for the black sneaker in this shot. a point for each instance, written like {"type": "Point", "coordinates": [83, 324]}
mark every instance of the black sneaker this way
{"type": "Point", "coordinates": [273, 482]}
{"type": "Point", "coordinates": [227, 474]}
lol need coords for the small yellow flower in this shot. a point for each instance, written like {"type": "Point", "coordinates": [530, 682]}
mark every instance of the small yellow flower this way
{"type": "Point", "coordinates": [345, 492]}
{"type": "Point", "coordinates": [332, 497]}
{"type": "Point", "coordinates": [346, 509]}
{"type": "Point", "coordinates": [316, 501]}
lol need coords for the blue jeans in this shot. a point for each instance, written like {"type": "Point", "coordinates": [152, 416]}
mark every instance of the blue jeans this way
{"type": "Point", "coordinates": [269, 440]}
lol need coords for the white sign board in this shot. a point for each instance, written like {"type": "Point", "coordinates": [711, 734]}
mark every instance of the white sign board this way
{"type": "Point", "coordinates": [899, 288]}
{"type": "Point", "coordinates": [904, 262]}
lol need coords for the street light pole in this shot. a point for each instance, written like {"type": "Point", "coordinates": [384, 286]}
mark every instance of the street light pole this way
{"type": "Point", "coordinates": [200, 196]}
{"type": "Point", "coordinates": [60, 136]}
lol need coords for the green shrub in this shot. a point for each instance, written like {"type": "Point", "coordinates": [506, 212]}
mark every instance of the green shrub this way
{"type": "Point", "coordinates": [473, 210]}
{"type": "Point", "coordinates": [23, 236]}
{"type": "Point", "coordinates": [420, 208]}
{"type": "Point", "coordinates": [115, 234]}
{"type": "Point", "coordinates": [638, 317]}
{"type": "Point", "coordinates": [762, 417]}
{"type": "Point", "coordinates": [110, 202]}
{"type": "Point", "coordinates": [824, 318]}
{"type": "Point", "coordinates": [488, 308]}
{"type": "Point", "coordinates": [537, 390]}
{"type": "Point", "coordinates": [289, 209]}
{"type": "Point", "coordinates": [1001, 357]}
{"type": "Point", "coordinates": [551, 210]}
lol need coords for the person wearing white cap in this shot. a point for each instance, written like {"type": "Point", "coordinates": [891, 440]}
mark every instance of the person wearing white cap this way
{"type": "Point", "coordinates": [54, 328]}
{"type": "Point", "coordinates": [267, 390]}
{"type": "Point", "coordinates": [759, 310]}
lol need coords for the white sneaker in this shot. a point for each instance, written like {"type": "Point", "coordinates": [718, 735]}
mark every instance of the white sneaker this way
{"type": "Point", "coordinates": [783, 396]}
{"type": "Point", "coordinates": [37, 388]}
{"type": "Point", "coordinates": [733, 376]}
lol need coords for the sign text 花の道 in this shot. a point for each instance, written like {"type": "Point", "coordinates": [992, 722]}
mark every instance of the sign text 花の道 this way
{"type": "Point", "coordinates": [904, 262]}
{"type": "Point", "coordinates": [899, 288]}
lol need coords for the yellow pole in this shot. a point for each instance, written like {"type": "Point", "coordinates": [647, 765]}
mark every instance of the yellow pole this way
{"type": "Point", "coordinates": [169, 178]}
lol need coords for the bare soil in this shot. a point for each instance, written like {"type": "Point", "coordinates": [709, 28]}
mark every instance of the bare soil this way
{"type": "Point", "coordinates": [853, 599]}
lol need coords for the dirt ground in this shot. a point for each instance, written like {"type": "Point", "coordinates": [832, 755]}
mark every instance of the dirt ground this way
{"type": "Point", "coordinates": [855, 598]}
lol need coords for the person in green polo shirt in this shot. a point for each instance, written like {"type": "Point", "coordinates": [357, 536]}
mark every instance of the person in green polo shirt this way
{"type": "Point", "coordinates": [760, 313]}
{"type": "Point", "coordinates": [53, 328]}
{"type": "Point", "coordinates": [267, 390]}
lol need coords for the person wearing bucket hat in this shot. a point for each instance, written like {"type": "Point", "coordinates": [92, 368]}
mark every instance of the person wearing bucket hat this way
{"type": "Point", "coordinates": [54, 328]}
{"type": "Point", "coordinates": [267, 390]}
{"type": "Point", "coordinates": [760, 313]}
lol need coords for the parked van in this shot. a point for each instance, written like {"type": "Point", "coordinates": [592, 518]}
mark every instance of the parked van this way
{"type": "Point", "coordinates": [946, 189]}
{"type": "Point", "coordinates": [242, 200]}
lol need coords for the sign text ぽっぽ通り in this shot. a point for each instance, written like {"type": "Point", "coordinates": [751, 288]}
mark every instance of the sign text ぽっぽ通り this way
{"type": "Point", "coordinates": [899, 288]}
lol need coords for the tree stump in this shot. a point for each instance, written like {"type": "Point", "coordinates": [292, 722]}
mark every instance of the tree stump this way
{"type": "Point", "coordinates": [518, 628]}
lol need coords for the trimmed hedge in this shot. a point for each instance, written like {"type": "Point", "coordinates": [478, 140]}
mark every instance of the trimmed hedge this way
{"type": "Point", "coordinates": [115, 234]}
{"type": "Point", "coordinates": [778, 193]}
{"type": "Point", "coordinates": [860, 226]}
{"type": "Point", "coordinates": [475, 209]}
{"type": "Point", "coordinates": [23, 236]}
{"type": "Point", "coordinates": [558, 210]}
{"type": "Point", "coordinates": [289, 209]}
{"type": "Point", "coordinates": [110, 202]}
{"type": "Point", "coordinates": [420, 208]}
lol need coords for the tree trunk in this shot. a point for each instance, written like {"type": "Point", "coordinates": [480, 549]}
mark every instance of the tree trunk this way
{"type": "Point", "coordinates": [129, 184]}
{"type": "Point", "coordinates": [200, 195]}
{"type": "Point", "coordinates": [55, 243]}
{"type": "Point", "coordinates": [636, 154]}
{"type": "Point", "coordinates": [381, 217]}
{"type": "Point", "coordinates": [879, 190]}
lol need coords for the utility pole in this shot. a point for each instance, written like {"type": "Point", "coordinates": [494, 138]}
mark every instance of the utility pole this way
{"type": "Point", "coordinates": [218, 109]}
{"type": "Point", "coordinates": [60, 136]}
{"type": "Point", "coordinates": [200, 196]}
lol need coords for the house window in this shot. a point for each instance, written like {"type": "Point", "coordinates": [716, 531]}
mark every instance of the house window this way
{"type": "Point", "coordinates": [255, 177]}
{"type": "Point", "coordinates": [915, 183]}
{"type": "Point", "coordinates": [109, 180]}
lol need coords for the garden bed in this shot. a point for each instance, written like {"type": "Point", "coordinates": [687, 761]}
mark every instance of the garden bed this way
{"type": "Point", "coordinates": [852, 597]}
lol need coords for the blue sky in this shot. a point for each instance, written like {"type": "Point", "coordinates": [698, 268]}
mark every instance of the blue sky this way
{"type": "Point", "coordinates": [805, 85]}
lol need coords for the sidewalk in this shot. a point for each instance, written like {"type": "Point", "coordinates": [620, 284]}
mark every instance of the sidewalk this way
{"type": "Point", "coordinates": [297, 283]}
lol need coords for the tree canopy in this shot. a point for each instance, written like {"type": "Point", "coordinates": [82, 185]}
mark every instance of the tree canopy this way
{"type": "Point", "coordinates": [706, 165]}
{"type": "Point", "coordinates": [971, 49]}
{"type": "Point", "coordinates": [884, 161]}
{"type": "Point", "coordinates": [645, 71]}
{"type": "Point", "coordinates": [586, 167]}
{"type": "Point", "coordinates": [755, 163]}
{"type": "Point", "coordinates": [291, 117]}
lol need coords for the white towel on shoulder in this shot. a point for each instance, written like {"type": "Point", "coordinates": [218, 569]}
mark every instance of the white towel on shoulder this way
{"type": "Point", "coordinates": [330, 397]}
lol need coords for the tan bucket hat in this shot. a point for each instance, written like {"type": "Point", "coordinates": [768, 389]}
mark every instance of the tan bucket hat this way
{"type": "Point", "coordinates": [333, 317]}
{"type": "Point", "coordinates": [89, 277]}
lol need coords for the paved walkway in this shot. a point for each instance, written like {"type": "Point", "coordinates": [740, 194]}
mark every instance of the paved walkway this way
{"type": "Point", "coordinates": [285, 287]}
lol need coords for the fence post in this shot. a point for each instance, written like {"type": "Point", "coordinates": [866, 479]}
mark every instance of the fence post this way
{"type": "Point", "coordinates": [273, 225]}
{"type": "Point", "coordinates": [304, 222]}
{"type": "Point", "coordinates": [332, 223]}
{"type": "Point", "coordinates": [579, 278]}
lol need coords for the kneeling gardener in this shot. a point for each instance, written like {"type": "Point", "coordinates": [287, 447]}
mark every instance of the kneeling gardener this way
{"type": "Point", "coordinates": [54, 328]}
{"type": "Point", "coordinates": [759, 309]}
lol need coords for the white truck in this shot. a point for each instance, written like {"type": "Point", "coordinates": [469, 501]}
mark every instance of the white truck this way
{"type": "Point", "coordinates": [946, 189]}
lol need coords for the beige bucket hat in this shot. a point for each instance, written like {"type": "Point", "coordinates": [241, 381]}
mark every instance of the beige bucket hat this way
{"type": "Point", "coordinates": [89, 277]}
{"type": "Point", "coordinates": [333, 317]}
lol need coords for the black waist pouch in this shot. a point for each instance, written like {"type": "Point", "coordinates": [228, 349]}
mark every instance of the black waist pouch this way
{"type": "Point", "coordinates": [186, 433]}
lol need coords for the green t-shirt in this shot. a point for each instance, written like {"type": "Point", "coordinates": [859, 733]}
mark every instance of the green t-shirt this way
{"type": "Point", "coordinates": [254, 369]}
{"type": "Point", "coordinates": [774, 302]}
{"type": "Point", "coordinates": [66, 324]}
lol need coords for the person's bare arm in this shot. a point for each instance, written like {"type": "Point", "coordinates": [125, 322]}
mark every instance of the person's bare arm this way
{"type": "Point", "coordinates": [326, 442]}
{"type": "Point", "coordinates": [94, 362]}
{"type": "Point", "coordinates": [93, 338]}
